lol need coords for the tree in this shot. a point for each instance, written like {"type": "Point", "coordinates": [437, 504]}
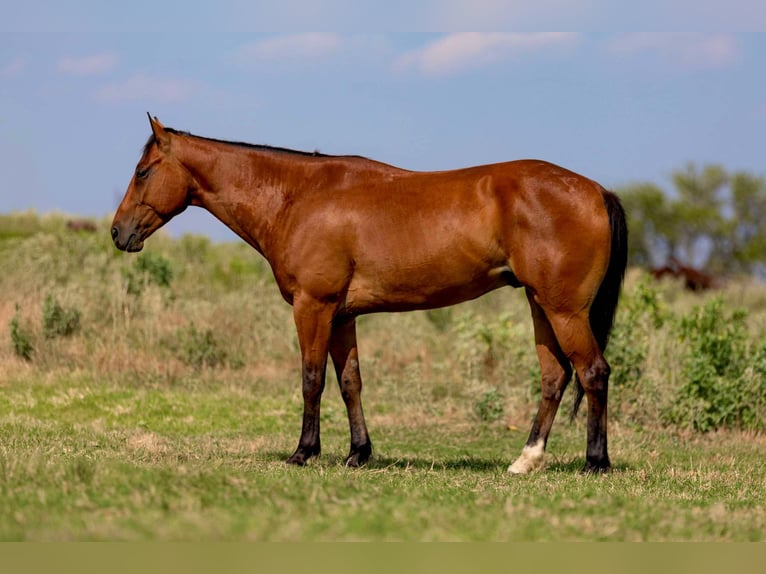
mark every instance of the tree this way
{"type": "Point", "coordinates": [713, 220]}
{"type": "Point", "coordinates": [748, 226]}
{"type": "Point", "coordinates": [698, 217]}
{"type": "Point", "coordinates": [649, 222]}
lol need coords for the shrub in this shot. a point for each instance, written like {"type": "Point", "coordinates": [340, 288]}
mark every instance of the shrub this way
{"type": "Point", "coordinates": [440, 318]}
{"type": "Point", "coordinates": [58, 321]}
{"type": "Point", "coordinates": [22, 344]}
{"type": "Point", "coordinates": [199, 349]}
{"type": "Point", "coordinates": [718, 390]}
{"type": "Point", "coordinates": [489, 407]}
{"type": "Point", "coordinates": [148, 268]}
{"type": "Point", "coordinates": [640, 314]}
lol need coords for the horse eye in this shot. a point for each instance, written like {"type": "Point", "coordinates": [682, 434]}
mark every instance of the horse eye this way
{"type": "Point", "coordinates": [142, 173]}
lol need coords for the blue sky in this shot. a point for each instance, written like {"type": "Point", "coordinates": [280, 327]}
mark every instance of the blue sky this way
{"type": "Point", "coordinates": [619, 107]}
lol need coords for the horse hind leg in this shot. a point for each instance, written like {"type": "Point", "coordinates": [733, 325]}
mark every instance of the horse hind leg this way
{"type": "Point", "coordinates": [579, 344]}
{"type": "Point", "coordinates": [345, 358]}
{"type": "Point", "coordinates": [556, 372]}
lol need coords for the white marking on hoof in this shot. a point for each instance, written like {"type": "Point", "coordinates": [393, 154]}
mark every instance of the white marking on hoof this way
{"type": "Point", "coordinates": [531, 459]}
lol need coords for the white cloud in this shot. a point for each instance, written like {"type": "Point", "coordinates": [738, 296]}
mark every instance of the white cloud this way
{"type": "Point", "coordinates": [465, 50]}
{"type": "Point", "coordinates": [88, 65]}
{"type": "Point", "coordinates": [13, 68]}
{"type": "Point", "coordinates": [688, 49]}
{"type": "Point", "coordinates": [291, 47]}
{"type": "Point", "coordinates": [143, 87]}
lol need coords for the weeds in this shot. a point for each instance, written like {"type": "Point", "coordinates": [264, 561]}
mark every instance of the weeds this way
{"type": "Point", "coordinates": [58, 321]}
{"type": "Point", "coordinates": [489, 407]}
{"type": "Point", "coordinates": [640, 315]}
{"type": "Point", "coordinates": [20, 339]}
{"type": "Point", "coordinates": [718, 389]}
{"type": "Point", "coordinates": [199, 349]}
{"type": "Point", "coordinates": [148, 268]}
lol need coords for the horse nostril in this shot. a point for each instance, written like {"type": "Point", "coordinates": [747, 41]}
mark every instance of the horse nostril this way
{"type": "Point", "coordinates": [115, 233]}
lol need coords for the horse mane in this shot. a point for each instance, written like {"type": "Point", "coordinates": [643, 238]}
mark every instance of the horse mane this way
{"type": "Point", "coordinates": [257, 147]}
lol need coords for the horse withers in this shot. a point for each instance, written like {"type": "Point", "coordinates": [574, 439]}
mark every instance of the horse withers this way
{"type": "Point", "coordinates": [346, 235]}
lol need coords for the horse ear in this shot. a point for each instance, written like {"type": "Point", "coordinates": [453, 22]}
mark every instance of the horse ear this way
{"type": "Point", "coordinates": [160, 134]}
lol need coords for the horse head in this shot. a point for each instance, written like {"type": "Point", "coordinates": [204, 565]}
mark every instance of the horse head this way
{"type": "Point", "coordinates": [159, 190]}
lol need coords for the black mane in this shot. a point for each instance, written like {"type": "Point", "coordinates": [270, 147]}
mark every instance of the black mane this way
{"type": "Point", "coordinates": [256, 147]}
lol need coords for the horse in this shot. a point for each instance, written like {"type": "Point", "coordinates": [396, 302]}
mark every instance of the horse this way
{"type": "Point", "coordinates": [347, 236]}
{"type": "Point", "coordinates": [695, 280]}
{"type": "Point", "coordinates": [81, 225]}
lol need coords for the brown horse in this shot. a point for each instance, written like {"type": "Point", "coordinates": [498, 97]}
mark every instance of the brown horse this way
{"type": "Point", "coordinates": [345, 235]}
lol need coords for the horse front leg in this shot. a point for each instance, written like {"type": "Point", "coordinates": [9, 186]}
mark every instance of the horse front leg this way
{"type": "Point", "coordinates": [345, 357]}
{"type": "Point", "coordinates": [313, 320]}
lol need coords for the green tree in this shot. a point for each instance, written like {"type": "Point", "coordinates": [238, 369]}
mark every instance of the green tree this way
{"type": "Point", "coordinates": [746, 246]}
{"type": "Point", "coordinates": [699, 221]}
{"type": "Point", "coordinates": [650, 222]}
{"type": "Point", "coordinates": [712, 219]}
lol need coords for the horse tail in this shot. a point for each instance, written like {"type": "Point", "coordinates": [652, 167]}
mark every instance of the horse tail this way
{"type": "Point", "coordinates": [604, 306]}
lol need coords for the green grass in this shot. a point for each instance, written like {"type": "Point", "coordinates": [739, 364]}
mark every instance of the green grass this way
{"type": "Point", "coordinates": [117, 430]}
{"type": "Point", "coordinates": [84, 460]}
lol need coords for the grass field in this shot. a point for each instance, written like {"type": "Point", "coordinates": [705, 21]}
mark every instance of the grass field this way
{"type": "Point", "coordinates": [159, 399]}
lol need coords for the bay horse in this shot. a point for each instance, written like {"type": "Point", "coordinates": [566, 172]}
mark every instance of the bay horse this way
{"type": "Point", "coordinates": [346, 235]}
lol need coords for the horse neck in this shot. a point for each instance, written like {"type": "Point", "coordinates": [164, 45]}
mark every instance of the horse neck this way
{"type": "Point", "coordinates": [246, 188]}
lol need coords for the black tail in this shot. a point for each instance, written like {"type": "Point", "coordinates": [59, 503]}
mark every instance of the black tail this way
{"type": "Point", "coordinates": [604, 306]}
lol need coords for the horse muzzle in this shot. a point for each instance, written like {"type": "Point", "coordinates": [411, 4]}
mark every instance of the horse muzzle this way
{"type": "Point", "coordinates": [124, 241]}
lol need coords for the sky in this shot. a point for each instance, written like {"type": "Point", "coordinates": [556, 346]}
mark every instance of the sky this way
{"type": "Point", "coordinates": [77, 79]}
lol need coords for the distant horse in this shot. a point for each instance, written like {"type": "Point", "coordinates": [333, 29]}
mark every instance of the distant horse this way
{"type": "Point", "coordinates": [346, 235]}
{"type": "Point", "coordinates": [81, 225]}
{"type": "Point", "coordinates": [694, 279]}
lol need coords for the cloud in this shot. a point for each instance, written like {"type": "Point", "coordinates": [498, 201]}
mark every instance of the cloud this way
{"type": "Point", "coordinates": [143, 87]}
{"type": "Point", "coordinates": [88, 65]}
{"type": "Point", "coordinates": [687, 49]}
{"type": "Point", "coordinates": [14, 67]}
{"type": "Point", "coordinates": [291, 47]}
{"type": "Point", "coordinates": [458, 52]}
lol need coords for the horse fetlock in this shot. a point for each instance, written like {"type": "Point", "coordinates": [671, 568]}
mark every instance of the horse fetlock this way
{"type": "Point", "coordinates": [532, 458]}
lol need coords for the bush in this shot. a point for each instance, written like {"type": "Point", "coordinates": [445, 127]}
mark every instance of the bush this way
{"type": "Point", "coordinates": [148, 268]}
{"type": "Point", "coordinates": [440, 318]}
{"type": "Point", "coordinates": [22, 344]}
{"type": "Point", "coordinates": [58, 321]}
{"type": "Point", "coordinates": [199, 349]}
{"type": "Point", "coordinates": [489, 407]}
{"type": "Point", "coordinates": [722, 385]}
{"type": "Point", "coordinates": [640, 314]}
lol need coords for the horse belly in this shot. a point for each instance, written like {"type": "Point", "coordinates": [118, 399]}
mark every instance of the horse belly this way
{"type": "Point", "coordinates": [422, 286]}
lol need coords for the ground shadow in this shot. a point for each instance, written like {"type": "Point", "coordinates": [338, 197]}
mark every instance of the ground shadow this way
{"type": "Point", "coordinates": [476, 464]}
{"type": "Point", "coordinates": [576, 465]}
{"type": "Point", "coordinates": [416, 463]}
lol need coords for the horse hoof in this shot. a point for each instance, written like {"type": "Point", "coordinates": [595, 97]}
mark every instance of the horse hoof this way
{"type": "Point", "coordinates": [301, 456]}
{"type": "Point", "coordinates": [359, 456]}
{"type": "Point", "coordinates": [599, 467]}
